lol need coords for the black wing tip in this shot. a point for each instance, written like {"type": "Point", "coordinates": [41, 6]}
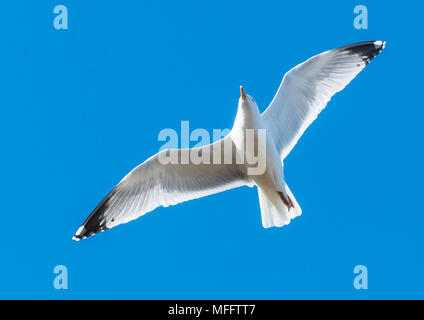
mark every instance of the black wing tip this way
{"type": "Point", "coordinates": [368, 50]}
{"type": "Point", "coordinates": [83, 233]}
{"type": "Point", "coordinates": [96, 221]}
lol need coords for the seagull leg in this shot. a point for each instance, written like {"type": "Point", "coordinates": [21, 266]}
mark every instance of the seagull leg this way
{"type": "Point", "coordinates": [287, 201]}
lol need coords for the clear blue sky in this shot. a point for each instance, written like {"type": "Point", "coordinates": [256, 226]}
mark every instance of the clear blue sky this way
{"type": "Point", "coordinates": [83, 106]}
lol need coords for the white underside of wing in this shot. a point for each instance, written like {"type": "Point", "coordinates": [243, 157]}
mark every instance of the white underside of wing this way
{"type": "Point", "coordinates": [153, 184]}
{"type": "Point", "coordinates": [165, 185]}
{"type": "Point", "coordinates": [307, 88]}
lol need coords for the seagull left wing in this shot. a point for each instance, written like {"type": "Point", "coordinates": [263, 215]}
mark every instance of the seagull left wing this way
{"type": "Point", "coordinates": [153, 184]}
{"type": "Point", "coordinates": [307, 88]}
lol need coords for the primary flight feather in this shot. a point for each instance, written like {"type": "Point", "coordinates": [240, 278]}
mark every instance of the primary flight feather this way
{"type": "Point", "coordinates": [303, 93]}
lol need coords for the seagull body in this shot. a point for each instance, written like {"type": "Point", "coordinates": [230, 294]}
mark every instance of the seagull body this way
{"type": "Point", "coordinates": [304, 91]}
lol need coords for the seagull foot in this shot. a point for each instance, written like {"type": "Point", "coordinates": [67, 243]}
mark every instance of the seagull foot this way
{"type": "Point", "coordinates": [287, 201]}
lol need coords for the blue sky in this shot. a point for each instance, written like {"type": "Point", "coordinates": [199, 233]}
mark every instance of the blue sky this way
{"type": "Point", "coordinates": [81, 107]}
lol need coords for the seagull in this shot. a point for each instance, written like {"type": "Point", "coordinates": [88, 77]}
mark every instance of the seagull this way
{"type": "Point", "coordinates": [303, 93]}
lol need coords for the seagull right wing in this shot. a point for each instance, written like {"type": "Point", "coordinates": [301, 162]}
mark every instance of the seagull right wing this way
{"type": "Point", "coordinates": [307, 88]}
{"type": "Point", "coordinates": [153, 184]}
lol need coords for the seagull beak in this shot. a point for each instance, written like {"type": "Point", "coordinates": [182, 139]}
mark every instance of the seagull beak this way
{"type": "Point", "coordinates": [243, 94]}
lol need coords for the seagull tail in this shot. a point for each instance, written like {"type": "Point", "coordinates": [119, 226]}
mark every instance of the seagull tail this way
{"type": "Point", "coordinates": [273, 211]}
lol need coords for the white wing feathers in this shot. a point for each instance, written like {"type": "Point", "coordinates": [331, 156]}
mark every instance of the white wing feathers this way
{"type": "Point", "coordinates": [153, 184]}
{"type": "Point", "coordinates": [307, 88]}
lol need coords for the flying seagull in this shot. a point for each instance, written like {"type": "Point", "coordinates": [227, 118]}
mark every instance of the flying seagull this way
{"type": "Point", "coordinates": [304, 91]}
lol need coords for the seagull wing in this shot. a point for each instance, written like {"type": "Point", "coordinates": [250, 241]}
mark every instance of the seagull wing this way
{"type": "Point", "coordinates": [154, 183]}
{"type": "Point", "coordinates": [307, 88]}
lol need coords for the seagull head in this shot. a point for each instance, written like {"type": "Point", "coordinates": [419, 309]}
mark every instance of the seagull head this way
{"type": "Point", "coordinates": [247, 101]}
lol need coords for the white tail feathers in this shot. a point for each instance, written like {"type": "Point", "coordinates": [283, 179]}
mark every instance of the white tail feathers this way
{"type": "Point", "coordinates": [273, 211]}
